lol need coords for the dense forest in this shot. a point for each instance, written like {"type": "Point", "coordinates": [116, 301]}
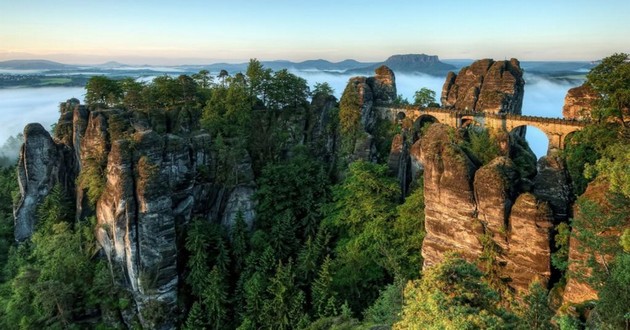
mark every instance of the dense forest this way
{"type": "Point", "coordinates": [334, 244]}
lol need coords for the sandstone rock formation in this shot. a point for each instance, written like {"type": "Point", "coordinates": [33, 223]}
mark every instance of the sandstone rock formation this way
{"type": "Point", "coordinates": [485, 86]}
{"type": "Point", "coordinates": [41, 165]}
{"type": "Point", "coordinates": [484, 211]}
{"type": "Point", "coordinates": [450, 208]}
{"type": "Point", "coordinates": [577, 289]}
{"type": "Point", "coordinates": [529, 252]}
{"type": "Point", "coordinates": [579, 102]}
{"type": "Point", "coordinates": [552, 184]}
{"type": "Point", "coordinates": [495, 185]}
{"type": "Point", "coordinates": [362, 94]}
{"type": "Point", "coordinates": [156, 181]}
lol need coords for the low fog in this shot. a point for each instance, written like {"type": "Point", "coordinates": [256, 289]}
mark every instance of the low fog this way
{"type": "Point", "coordinates": [543, 97]}
{"type": "Point", "coordinates": [20, 106]}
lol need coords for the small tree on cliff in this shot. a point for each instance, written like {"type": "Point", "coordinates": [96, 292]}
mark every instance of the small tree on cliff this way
{"type": "Point", "coordinates": [100, 89]}
{"type": "Point", "coordinates": [611, 79]}
{"type": "Point", "coordinates": [424, 97]}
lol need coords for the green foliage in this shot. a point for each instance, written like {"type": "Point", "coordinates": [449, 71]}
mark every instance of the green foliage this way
{"type": "Point", "coordinates": [588, 226]}
{"type": "Point", "coordinates": [297, 189]}
{"type": "Point", "coordinates": [92, 178]}
{"type": "Point", "coordinates": [322, 89]}
{"type": "Point", "coordinates": [349, 117]}
{"type": "Point", "coordinates": [51, 281]}
{"type": "Point", "coordinates": [612, 309]}
{"type": "Point", "coordinates": [284, 306]}
{"type": "Point", "coordinates": [611, 79]}
{"type": "Point", "coordinates": [400, 100]}
{"type": "Point", "coordinates": [560, 258]}
{"type": "Point", "coordinates": [8, 187]}
{"type": "Point", "coordinates": [568, 322]}
{"type": "Point", "coordinates": [586, 147]}
{"type": "Point", "coordinates": [534, 312]}
{"type": "Point", "coordinates": [324, 297]}
{"type": "Point", "coordinates": [102, 90]}
{"type": "Point", "coordinates": [388, 307]}
{"type": "Point", "coordinates": [625, 240]}
{"type": "Point", "coordinates": [614, 166]}
{"type": "Point", "coordinates": [452, 295]}
{"type": "Point", "coordinates": [424, 97]}
{"type": "Point", "coordinates": [410, 231]}
{"type": "Point", "coordinates": [481, 145]}
{"type": "Point", "coordinates": [370, 251]}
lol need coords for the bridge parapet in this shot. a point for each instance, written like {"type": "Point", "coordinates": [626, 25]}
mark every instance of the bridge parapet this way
{"type": "Point", "coordinates": [556, 129]}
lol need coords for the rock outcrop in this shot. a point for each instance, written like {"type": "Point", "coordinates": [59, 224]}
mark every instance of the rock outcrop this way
{"type": "Point", "coordinates": [359, 99]}
{"type": "Point", "coordinates": [579, 102]}
{"type": "Point", "coordinates": [41, 165]}
{"type": "Point", "coordinates": [450, 210]}
{"type": "Point", "coordinates": [485, 86]}
{"type": "Point", "coordinates": [529, 252]}
{"type": "Point", "coordinates": [581, 254]}
{"type": "Point", "coordinates": [157, 178]}
{"type": "Point", "coordinates": [552, 184]}
{"type": "Point", "coordinates": [484, 212]}
{"type": "Point", "coordinates": [495, 187]}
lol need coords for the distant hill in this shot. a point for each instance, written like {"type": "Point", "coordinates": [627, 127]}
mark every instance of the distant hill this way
{"type": "Point", "coordinates": [33, 65]}
{"type": "Point", "coordinates": [411, 63]}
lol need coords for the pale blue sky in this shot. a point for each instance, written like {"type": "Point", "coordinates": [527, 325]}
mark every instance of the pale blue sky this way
{"type": "Point", "coordinates": [172, 32]}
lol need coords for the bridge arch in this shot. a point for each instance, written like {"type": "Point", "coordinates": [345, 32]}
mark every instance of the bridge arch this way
{"type": "Point", "coordinates": [420, 122]}
{"type": "Point", "coordinates": [538, 140]}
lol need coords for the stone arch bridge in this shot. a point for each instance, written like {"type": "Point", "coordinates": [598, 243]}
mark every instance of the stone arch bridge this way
{"type": "Point", "coordinates": [556, 129]}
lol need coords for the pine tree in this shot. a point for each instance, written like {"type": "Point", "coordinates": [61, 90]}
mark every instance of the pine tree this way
{"type": "Point", "coordinates": [324, 300]}
{"type": "Point", "coordinates": [215, 298]}
{"type": "Point", "coordinates": [536, 314]}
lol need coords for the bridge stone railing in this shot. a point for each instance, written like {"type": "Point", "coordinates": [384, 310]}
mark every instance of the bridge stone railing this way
{"type": "Point", "coordinates": [556, 129]}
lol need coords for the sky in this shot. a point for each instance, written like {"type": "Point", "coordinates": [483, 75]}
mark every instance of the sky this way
{"type": "Point", "coordinates": [200, 32]}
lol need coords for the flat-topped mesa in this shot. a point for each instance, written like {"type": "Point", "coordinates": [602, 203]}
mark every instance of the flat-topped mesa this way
{"type": "Point", "coordinates": [579, 102]}
{"type": "Point", "coordinates": [485, 86]}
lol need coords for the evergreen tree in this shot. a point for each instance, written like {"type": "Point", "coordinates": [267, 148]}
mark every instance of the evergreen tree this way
{"type": "Point", "coordinates": [324, 300]}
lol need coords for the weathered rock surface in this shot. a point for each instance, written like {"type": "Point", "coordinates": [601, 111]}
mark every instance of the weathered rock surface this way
{"type": "Point", "coordinates": [369, 91]}
{"type": "Point", "coordinates": [529, 252]}
{"type": "Point", "coordinates": [450, 208]}
{"type": "Point", "coordinates": [415, 154]}
{"type": "Point", "coordinates": [486, 86]}
{"type": "Point", "coordinates": [579, 102]}
{"type": "Point", "coordinates": [40, 167]}
{"type": "Point", "coordinates": [495, 185]}
{"type": "Point", "coordinates": [383, 85]}
{"type": "Point", "coordinates": [577, 289]}
{"type": "Point", "coordinates": [156, 182]}
{"type": "Point", "coordinates": [552, 185]}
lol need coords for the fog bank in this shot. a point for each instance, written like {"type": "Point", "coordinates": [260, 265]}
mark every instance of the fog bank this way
{"type": "Point", "coordinates": [20, 106]}
{"type": "Point", "coordinates": [543, 97]}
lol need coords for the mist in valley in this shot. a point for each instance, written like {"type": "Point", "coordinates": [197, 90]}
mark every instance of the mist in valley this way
{"type": "Point", "coordinates": [20, 106]}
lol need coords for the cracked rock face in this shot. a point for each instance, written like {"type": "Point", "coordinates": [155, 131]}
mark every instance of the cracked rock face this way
{"type": "Point", "coordinates": [464, 204]}
{"type": "Point", "coordinates": [155, 182]}
{"type": "Point", "coordinates": [579, 102]}
{"type": "Point", "coordinates": [485, 86]}
{"type": "Point", "coordinates": [39, 168]}
{"type": "Point", "coordinates": [450, 208]}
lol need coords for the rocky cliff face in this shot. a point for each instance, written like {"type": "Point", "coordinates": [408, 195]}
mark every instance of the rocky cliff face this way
{"type": "Point", "coordinates": [42, 164]}
{"type": "Point", "coordinates": [579, 102]}
{"type": "Point", "coordinates": [156, 180]}
{"type": "Point", "coordinates": [578, 289]}
{"type": "Point", "coordinates": [485, 86]}
{"type": "Point", "coordinates": [370, 91]}
{"type": "Point", "coordinates": [450, 210]}
{"type": "Point", "coordinates": [483, 212]}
